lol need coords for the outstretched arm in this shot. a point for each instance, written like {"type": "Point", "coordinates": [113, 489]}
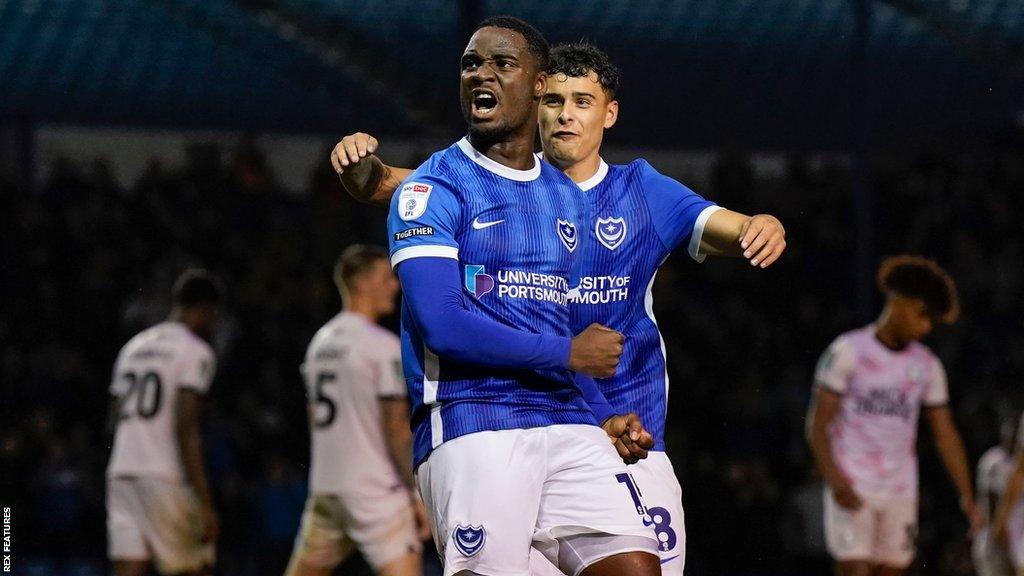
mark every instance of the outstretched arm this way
{"type": "Point", "coordinates": [951, 449]}
{"type": "Point", "coordinates": [761, 239]}
{"type": "Point", "coordinates": [363, 175]}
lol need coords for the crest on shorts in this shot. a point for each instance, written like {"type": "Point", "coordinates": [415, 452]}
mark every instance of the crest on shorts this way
{"type": "Point", "coordinates": [469, 539]}
{"type": "Point", "coordinates": [611, 231]}
{"type": "Point", "coordinates": [567, 234]}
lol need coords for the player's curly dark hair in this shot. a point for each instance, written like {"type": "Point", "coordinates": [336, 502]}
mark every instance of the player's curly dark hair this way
{"type": "Point", "coordinates": [196, 286]}
{"type": "Point", "coordinates": [577, 59]}
{"type": "Point", "coordinates": [535, 41]}
{"type": "Point", "coordinates": [919, 277]}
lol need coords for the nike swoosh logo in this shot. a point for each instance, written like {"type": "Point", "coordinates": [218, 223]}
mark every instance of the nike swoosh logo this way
{"type": "Point", "coordinates": [667, 560]}
{"type": "Point", "coordinates": [478, 225]}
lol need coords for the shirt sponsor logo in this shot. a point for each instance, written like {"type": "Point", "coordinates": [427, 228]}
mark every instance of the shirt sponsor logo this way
{"type": "Point", "coordinates": [469, 539]}
{"type": "Point", "coordinates": [601, 290]}
{"type": "Point", "coordinates": [610, 231]}
{"type": "Point", "coordinates": [420, 231]}
{"type": "Point", "coordinates": [884, 402]}
{"type": "Point", "coordinates": [517, 284]}
{"type": "Point", "coordinates": [478, 282]}
{"type": "Point", "coordinates": [567, 234]}
{"type": "Point", "coordinates": [412, 200]}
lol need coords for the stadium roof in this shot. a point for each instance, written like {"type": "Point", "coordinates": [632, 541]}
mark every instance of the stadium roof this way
{"type": "Point", "coordinates": [695, 72]}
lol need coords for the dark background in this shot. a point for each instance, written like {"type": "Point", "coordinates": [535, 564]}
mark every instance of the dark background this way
{"type": "Point", "coordinates": [870, 128]}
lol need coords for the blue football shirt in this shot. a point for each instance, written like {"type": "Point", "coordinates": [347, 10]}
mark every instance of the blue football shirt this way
{"type": "Point", "coordinates": [638, 217]}
{"type": "Point", "coordinates": [517, 236]}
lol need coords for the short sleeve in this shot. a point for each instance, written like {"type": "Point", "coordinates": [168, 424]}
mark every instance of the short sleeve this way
{"type": "Point", "coordinates": [936, 392]}
{"type": "Point", "coordinates": [390, 379]}
{"type": "Point", "coordinates": [197, 369]}
{"type": "Point", "coordinates": [677, 212]}
{"type": "Point", "coordinates": [423, 220]}
{"type": "Point", "coordinates": [835, 367]}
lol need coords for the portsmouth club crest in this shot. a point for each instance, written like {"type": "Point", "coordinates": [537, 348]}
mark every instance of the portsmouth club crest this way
{"type": "Point", "coordinates": [610, 231]}
{"type": "Point", "coordinates": [469, 539]}
{"type": "Point", "coordinates": [567, 234]}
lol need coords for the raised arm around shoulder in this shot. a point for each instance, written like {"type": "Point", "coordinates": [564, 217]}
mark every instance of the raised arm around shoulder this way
{"type": "Point", "coordinates": [363, 175]}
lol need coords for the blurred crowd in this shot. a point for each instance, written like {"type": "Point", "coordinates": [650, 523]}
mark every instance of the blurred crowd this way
{"type": "Point", "coordinates": [88, 262]}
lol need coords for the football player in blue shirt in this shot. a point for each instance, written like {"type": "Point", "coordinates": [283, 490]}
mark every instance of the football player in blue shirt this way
{"type": "Point", "coordinates": [486, 239]}
{"type": "Point", "coordinates": [638, 217]}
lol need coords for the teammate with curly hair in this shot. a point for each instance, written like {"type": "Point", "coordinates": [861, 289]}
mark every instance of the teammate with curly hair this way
{"type": "Point", "coordinates": [870, 386]}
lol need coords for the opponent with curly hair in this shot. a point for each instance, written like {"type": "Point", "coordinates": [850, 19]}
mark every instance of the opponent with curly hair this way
{"type": "Point", "coordinates": [870, 386]}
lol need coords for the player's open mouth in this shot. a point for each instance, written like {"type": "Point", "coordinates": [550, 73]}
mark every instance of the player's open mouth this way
{"type": "Point", "coordinates": [564, 135]}
{"type": "Point", "coordinates": [484, 102]}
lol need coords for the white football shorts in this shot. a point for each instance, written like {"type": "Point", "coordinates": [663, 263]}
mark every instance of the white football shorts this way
{"type": "Point", "coordinates": [656, 480]}
{"type": "Point", "coordinates": [562, 490]}
{"type": "Point", "coordinates": [882, 531]}
{"type": "Point", "coordinates": [158, 520]}
{"type": "Point", "coordinates": [383, 530]}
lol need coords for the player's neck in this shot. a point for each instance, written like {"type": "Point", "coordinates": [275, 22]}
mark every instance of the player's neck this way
{"type": "Point", "coordinates": [886, 333]}
{"type": "Point", "coordinates": [364, 308]}
{"type": "Point", "coordinates": [178, 315]}
{"type": "Point", "coordinates": [584, 169]}
{"type": "Point", "coordinates": [516, 151]}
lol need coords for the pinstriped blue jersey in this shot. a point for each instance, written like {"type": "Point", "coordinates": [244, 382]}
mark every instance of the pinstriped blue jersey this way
{"type": "Point", "coordinates": [638, 217]}
{"type": "Point", "coordinates": [517, 236]}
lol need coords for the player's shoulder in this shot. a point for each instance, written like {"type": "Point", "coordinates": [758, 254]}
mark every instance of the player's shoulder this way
{"type": "Point", "coordinates": [924, 351]}
{"type": "Point", "coordinates": [440, 170]}
{"type": "Point", "coordinates": [190, 343]}
{"type": "Point", "coordinates": [380, 339]}
{"type": "Point", "coordinates": [163, 336]}
{"type": "Point", "coordinates": [651, 181]}
{"type": "Point", "coordinates": [336, 329]}
{"type": "Point", "coordinates": [850, 340]}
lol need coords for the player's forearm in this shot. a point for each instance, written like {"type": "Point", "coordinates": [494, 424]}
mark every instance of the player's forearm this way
{"type": "Point", "coordinates": [372, 181]}
{"type": "Point", "coordinates": [389, 183]}
{"type": "Point", "coordinates": [400, 449]}
{"type": "Point", "coordinates": [821, 447]}
{"type": "Point", "coordinates": [722, 232]}
{"type": "Point", "coordinates": [594, 398]}
{"type": "Point", "coordinates": [433, 293]}
{"type": "Point", "coordinates": [951, 449]}
{"type": "Point", "coordinates": [190, 445]}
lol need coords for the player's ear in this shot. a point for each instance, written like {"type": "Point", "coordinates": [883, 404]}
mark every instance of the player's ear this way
{"type": "Point", "coordinates": [611, 114]}
{"type": "Point", "coordinates": [540, 86]}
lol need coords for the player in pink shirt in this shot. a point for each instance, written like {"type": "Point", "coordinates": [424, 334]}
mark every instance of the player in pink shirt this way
{"type": "Point", "coordinates": [870, 386]}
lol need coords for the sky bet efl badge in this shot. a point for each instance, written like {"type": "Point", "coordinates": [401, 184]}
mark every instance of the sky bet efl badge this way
{"type": "Point", "coordinates": [610, 231]}
{"type": "Point", "coordinates": [412, 201]}
{"type": "Point", "coordinates": [567, 233]}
